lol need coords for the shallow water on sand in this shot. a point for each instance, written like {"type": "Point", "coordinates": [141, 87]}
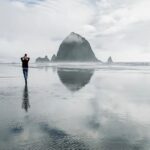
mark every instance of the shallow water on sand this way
{"type": "Point", "coordinates": [67, 107]}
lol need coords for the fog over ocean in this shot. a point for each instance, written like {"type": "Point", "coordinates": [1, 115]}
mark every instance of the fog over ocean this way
{"type": "Point", "coordinates": [75, 106]}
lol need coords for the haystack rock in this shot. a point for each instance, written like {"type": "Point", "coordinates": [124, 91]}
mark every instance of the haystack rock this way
{"type": "Point", "coordinates": [75, 48]}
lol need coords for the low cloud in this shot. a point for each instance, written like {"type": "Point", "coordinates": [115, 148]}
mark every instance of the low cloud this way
{"type": "Point", "coordinates": [112, 27]}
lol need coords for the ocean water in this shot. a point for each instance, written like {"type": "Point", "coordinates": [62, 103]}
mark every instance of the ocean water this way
{"type": "Point", "coordinates": [75, 107]}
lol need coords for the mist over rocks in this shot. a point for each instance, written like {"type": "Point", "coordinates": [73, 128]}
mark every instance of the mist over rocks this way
{"type": "Point", "coordinates": [75, 48]}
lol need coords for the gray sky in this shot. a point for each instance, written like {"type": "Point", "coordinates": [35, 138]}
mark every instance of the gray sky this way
{"type": "Point", "coordinates": [120, 28]}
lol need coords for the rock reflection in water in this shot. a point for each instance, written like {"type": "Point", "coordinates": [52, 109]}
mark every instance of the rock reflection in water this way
{"type": "Point", "coordinates": [25, 102]}
{"type": "Point", "coordinates": [75, 79]}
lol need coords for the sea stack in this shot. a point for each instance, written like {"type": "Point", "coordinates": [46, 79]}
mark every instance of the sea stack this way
{"type": "Point", "coordinates": [110, 61]}
{"type": "Point", "coordinates": [75, 48]}
{"type": "Point", "coordinates": [53, 58]}
{"type": "Point", "coordinates": [42, 60]}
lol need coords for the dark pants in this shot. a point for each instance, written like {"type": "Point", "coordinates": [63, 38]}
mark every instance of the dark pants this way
{"type": "Point", "coordinates": [25, 73]}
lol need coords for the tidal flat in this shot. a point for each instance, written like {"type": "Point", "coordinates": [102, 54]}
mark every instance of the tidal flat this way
{"type": "Point", "coordinates": [75, 107]}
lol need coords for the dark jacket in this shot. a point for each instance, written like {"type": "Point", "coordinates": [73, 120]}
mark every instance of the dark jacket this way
{"type": "Point", "coordinates": [25, 62]}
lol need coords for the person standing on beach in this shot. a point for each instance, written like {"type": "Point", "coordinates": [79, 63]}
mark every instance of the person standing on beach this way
{"type": "Point", "coordinates": [25, 61]}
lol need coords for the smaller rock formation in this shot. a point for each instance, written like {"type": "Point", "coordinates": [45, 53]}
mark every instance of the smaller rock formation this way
{"type": "Point", "coordinates": [53, 58]}
{"type": "Point", "coordinates": [42, 60]}
{"type": "Point", "coordinates": [110, 61]}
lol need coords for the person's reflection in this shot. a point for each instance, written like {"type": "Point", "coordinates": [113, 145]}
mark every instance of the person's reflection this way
{"type": "Point", "coordinates": [25, 102]}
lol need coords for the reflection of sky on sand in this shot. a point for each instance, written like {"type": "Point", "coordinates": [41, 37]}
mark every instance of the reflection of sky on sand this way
{"type": "Point", "coordinates": [110, 113]}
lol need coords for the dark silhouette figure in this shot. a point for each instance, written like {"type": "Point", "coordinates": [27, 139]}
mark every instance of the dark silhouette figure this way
{"type": "Point", "coordinates": [75, 79]}
{"type": "Point", "coordinates": [25, 61]}
{"type": "Point", "coordinates": [25, 99]}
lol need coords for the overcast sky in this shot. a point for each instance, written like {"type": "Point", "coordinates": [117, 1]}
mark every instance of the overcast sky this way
{"type": "Point", "coordinates": [117, 28]}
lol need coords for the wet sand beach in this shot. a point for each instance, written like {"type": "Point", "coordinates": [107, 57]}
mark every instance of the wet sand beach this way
{"type": "Point", "coordinates": [67, 107]}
